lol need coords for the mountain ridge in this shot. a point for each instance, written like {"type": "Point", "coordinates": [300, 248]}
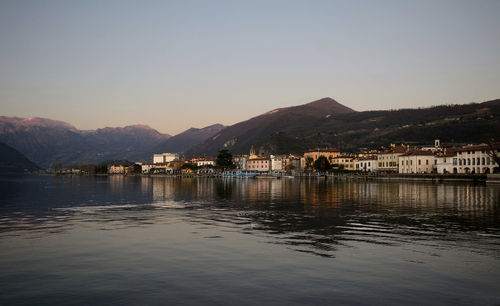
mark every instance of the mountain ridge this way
{"type": "Point", "coordinates": [187, 139]}
{"type": "Point", "coordinates": [282, 132]}
{"type": "Point", "coordinates": [13, 161]}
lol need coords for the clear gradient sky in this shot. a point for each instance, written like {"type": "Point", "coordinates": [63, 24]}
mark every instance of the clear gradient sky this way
{"type": "Point", "coordinates": [177, 64]}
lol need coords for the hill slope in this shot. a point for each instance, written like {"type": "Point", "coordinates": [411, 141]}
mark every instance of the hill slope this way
{"type": "Point", "coordinates": [241, 136]}
{"type": "Point", "coordinates": [187, 139]}
{"type": "Point", "coordinates": [13, 161]}
{"type": "Point", "coordinates": [325, 123]}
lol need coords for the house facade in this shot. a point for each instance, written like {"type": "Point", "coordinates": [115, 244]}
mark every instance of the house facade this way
{"type": "Point", "coordinates": [116, 169]}
{"type": "Point", "coordinates": [475, 159]}
{"type": "Point", "coordinates": [258, 164]}
{"type": "Point", "coordinates": [388, 159]}
{"type": "Point", "coordinates": [164, 157]}
{"type": "Point", "coordinates": [240, 161]}
{"type": "Point", "coordinates": [276, 163]}
{"type": "Point", "coordinates": [417, 161]}
{"type": "Point", "coordinates": [329, 153]}
{"type": "Point", "coordinates": [205, 162]}
{"type": "Point", "coordinates": [366, 163]}
{"type": "Point", "coordinates": [344, 162]}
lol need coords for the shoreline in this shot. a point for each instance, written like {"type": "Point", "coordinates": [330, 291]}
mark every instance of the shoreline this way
{"type": "Point", "coordinates": [438, 178]}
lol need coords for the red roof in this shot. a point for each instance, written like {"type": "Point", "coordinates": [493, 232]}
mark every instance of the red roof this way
{"type": "Point", "coordinates": [418, 152]}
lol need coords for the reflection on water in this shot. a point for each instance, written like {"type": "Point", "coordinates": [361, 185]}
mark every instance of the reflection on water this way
{"type": "Point", "coordinates": [350, 224]}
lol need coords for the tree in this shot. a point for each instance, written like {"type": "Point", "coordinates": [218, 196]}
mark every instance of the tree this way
{"type": "Point", "coordinates": [101, 169]}
{"type": "Point", "coordinates": [189, 166]}
{"type": "Point", "coordinates": [225, 160]}
{"type": "Point", "coordinates": [290, 168]}
{"type": "Point", "coordinates": [322, 164]}
{"type": "Point", "coordinates": [137, 168]}
{"type": "Point", "coordinates": [494, 152]}
{"type": "Point", "coordinates": [57, 167]}
{"type": "Point", "coordinates": [309, 162]}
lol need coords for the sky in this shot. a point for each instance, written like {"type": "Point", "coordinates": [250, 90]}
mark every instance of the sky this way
{"type": "Point", "coordinates": [178, 64]}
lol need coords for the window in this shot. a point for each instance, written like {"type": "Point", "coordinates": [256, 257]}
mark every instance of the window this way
{"type": "Point", "coordinates": [419, 162]}
{"type": "Point", "coordinates": [426, 161]}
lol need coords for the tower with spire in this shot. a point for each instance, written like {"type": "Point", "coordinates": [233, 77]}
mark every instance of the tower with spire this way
{"type": "Point", "coordinates": [252, 153]}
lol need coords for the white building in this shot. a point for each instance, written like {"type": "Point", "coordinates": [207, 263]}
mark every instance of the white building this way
{"type": "Point", "coordinates": [205, 162]}
{"type": "Point", "coordinates": [146, 168]}
{"type": "Point", "coordinates": [366, 163]}
{"type": "Point", "coordinates": [164, 157]}
{"type": "Point", "coordinates": [474, 159]}
{"type": "Point", "coordinates": [444, 161]}
{"type": "Point", "coordinates": [417, 161]}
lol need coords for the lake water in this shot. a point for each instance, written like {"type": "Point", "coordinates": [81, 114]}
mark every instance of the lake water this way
{"type": "Point", "coordinates": [131, 240]}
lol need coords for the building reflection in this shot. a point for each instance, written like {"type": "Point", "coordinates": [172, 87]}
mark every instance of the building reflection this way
{"type": "Point", "coordinates": [316, 213]}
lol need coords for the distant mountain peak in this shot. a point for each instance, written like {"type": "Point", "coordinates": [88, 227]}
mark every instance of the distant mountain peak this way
{"type": "Point", "coordinates": [36, 122]}
{"type": "Point", "coordinates": [329, 103]}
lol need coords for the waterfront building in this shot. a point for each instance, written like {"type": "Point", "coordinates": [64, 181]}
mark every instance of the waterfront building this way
{"type": "Point", "coordinates": [344, 162]}
{"type": "Point", "coordinates": [116, 169]}
{"type": "Point", "coordinates": [366, 163]}
{"type": "Point", "coordinates": [444, 161]}
{"type": "Point", "coordinates": [164, 157]}
{"type": "Point", "coordinates": [205, 161]}
{"type": "Point", "coordinates": [276, 163]}
{"type": "Point", "coordinates": [475, 159]}
{"type": "Point", "coordinates": [417, 161]}
{"type": "Point", "coordinates": [387, 159]}
{"type": "Point", "coordinates": [261, 164]}
{"type": "Point", "coordinates": [329, 153]}
{"type": "Point", "coordinates": [162, 168]}
{"type": "Point", "coordinates": [240, 161]}
{"type": "Point", "coordinates": [291, 163]}
{"type": "Point", "coordinates": [146, 168]}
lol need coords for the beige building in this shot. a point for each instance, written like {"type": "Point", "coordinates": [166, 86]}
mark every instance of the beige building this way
{"type": "Point", "coordinates": [417, 161]}
{"type": "Point", "coordinates": [116, 169]}
{"type": "Point", "coordinates": [329, 153]}
{"type": "Point", "coordinates": [388, 159]}
{"type": "Point", "coordinates": [291, 163]}
{"type": "Point", "coordinates": [345, 162]}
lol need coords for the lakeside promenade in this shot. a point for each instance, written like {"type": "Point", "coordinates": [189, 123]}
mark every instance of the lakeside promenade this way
{"type": "Point", "coordinates": [429, 177]}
